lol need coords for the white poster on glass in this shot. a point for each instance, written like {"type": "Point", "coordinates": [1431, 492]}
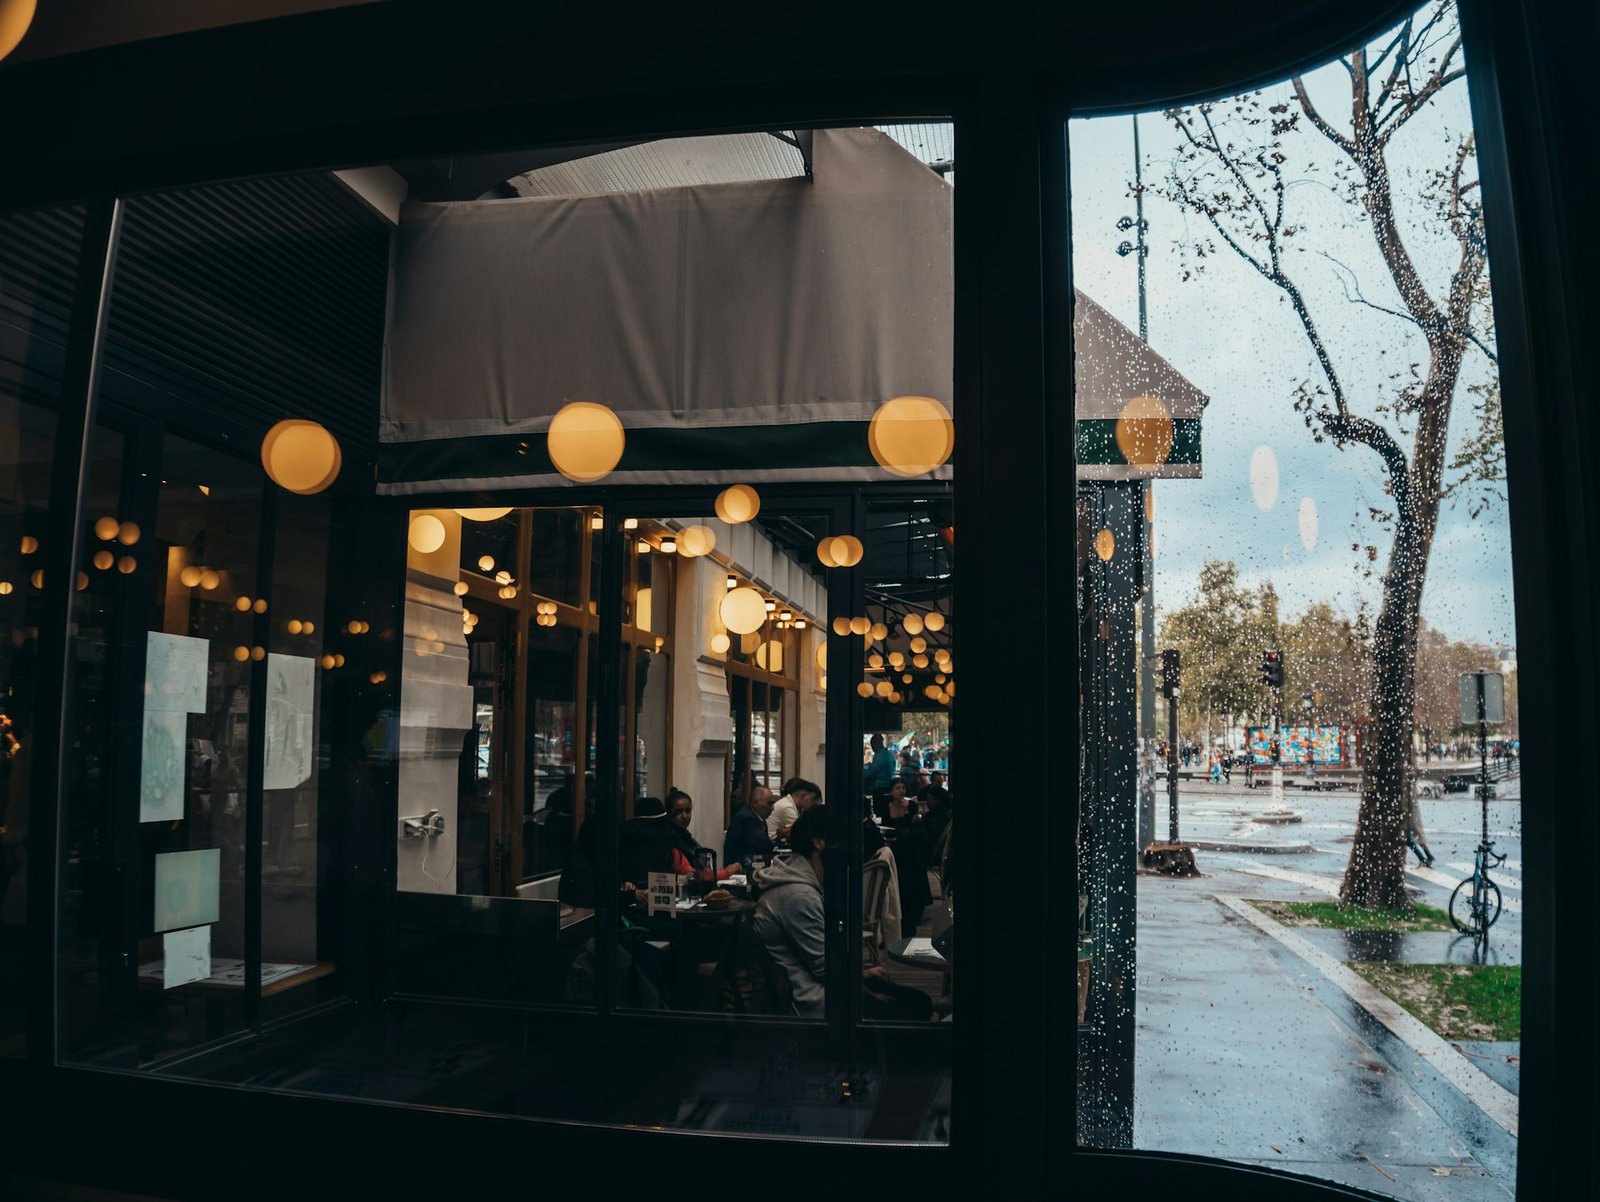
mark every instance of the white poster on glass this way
{"type": "Point", "coordinates": [291, 696]}
{"type": "Point", "coordinates": [186, 956]}
{"type": "Point", "coordinates": [174, 688]}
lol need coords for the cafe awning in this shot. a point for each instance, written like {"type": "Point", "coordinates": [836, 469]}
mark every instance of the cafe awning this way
{"type": "Point", "coordinates": [741, 331]}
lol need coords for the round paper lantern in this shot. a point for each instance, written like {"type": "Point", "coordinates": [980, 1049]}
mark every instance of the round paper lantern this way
{"type": "Point", "coordinates": [6, 588]}
{"type": "Point", "coordinates": [897, 659]}
{"type": "Point", "coordinates": [327, 660]}
{"type": "Point", "coordinates": [241, 654]}
{"type": "Point", "coordinates": [912, 624]}
{"type": "Point", "coordinates": [919, 661]}
{"type": "Point", "coordinates": [258, 654]}
{"type": "Point", "coordinates": [911, 435]}
{"type": "Point", "coordinates": [585, 441]}
{"type": "Point", "coordinates": [486, 563]}
{"type": "Point", "coordinates": [919, 644]}
{"type": "Point", "coordinates": [931, 692]}
{"type": "Point", "coordinates": [210, 578]}
{"type": "Point", "coordinates": [126, 564]}
{"type": "Point", "coordinates": [743, 610]}
{"type": "Point", "coordinates": [879, 632]}
{"type": "Point", "coordinates": [37, 579]}
{"type": "Point", "coordinates": [860, 626]}
{"type": "Point", "coordinates": [502, 577]}
{"type": "Point", "coordinates": [895, 698]}
{"type": "Point", "coordinates": [847, 550]}
{"type": "Point", "coordinates": [738, 503]}
{"type": "Point", "coordinates": [105, 529]}
{"type": "Point", "coordinates": [83, 581]}
{"type": "Point", "coordinates": [242, 604]}
{"type": "Point", "coordinates": [720, 643]}
{"type": "Point", "coordinates": [29, 544]}
{"type": "Point", "coordinates": [905, 678]}
{"type": "Point", "coordinates": [770, 656]}
{"type": "Point", "coordinates": [190, 576]}
{"type": "Point", "coordinates": [301, 456]}
{"type": "Point", "coordinates": [293, 626]}
{"type": "Point", "coordinates": [459, 588]}
{"type": "Point", "coordinates": [749, 643]}
{"type": "Point", "coordinates": [825, 553]}
{"type": "Point", "coordinates": [308, 627]}
{"type": "Point", "coordinates": [1144, 431]}
{"type": "Point", "coordinates": [874, 661]}
{"type": "Point", "coordinates": [883, 688]}
{"type": "Point", "coordinates": [103, 559]}
{"type": "Point", "coordinates": [933, 621]}
{"type": "Point", "coordinates": [696, 541]}
{"type": "Point", "coordinates": [259, 605]}
{"type": "Point", "coordinates": [426, 534]}
{"type": "Point", "coordinates": [864, 689]}
{"type": "Point", "coordinates": [128, 533]}
{"type": "Point", "coordinates": [841, 626]}
{"type": "Point", "coordinates": [485, 515]}
{"type": "Point", "coordinates": [15, 17]}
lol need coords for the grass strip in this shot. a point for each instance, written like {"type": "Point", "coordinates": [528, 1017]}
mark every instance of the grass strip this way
{"type": "Point", "coordinates": [1458, 1001]}
{"type": "Point", "coordinates": [1353, 918]}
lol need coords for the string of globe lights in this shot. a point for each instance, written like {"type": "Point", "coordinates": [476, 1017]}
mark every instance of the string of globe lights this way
{"type": "Point", "coordinates": [908, 436]}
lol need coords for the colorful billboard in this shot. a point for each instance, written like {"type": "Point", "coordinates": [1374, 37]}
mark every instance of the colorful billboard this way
{"type": "Point", "coordinates": [1324, 744]}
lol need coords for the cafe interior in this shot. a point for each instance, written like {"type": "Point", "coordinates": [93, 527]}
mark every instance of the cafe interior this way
{"type": "Point", "coordinates": [416, 499]}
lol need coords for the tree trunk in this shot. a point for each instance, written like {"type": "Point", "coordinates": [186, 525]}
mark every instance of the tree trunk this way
{"type": "Point", "coordinates": [1375, 875]}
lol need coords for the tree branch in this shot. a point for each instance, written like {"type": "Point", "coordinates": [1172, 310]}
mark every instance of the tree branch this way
{"type": "Point", "coordinates": [1316, 119]}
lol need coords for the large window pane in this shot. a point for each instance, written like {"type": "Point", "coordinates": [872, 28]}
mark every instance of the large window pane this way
{"type": "Point", "coordinates": [1291, 486]}
{"type": "Point", "coordinates": [38, 259]}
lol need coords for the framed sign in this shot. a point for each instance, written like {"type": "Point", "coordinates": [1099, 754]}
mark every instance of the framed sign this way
{"type": "Point", "coordinates": [1483, 697]}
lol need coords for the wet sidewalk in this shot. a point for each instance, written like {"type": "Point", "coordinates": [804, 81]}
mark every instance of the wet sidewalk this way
{"type": "Point", "coordinates": [1251, 1052]}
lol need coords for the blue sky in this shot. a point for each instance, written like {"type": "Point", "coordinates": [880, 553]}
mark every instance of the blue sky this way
{"type": "Point", "coordinates": [1231, 333]}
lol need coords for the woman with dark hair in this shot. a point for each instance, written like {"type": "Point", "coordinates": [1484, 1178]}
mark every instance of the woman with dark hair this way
{"type": "Point", "coordinates": [680, 808]}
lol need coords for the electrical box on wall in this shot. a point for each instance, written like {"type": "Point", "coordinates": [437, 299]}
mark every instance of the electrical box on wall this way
{"type": "Point", "coordinates": [422, 826]}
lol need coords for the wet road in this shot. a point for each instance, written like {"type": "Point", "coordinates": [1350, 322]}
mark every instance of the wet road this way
{"type": "Point", "coordinates": [1247, 1050]}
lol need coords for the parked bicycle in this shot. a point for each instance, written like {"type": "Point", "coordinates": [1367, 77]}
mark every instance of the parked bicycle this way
{"type": "Point", "coordinates": [1475, 904]}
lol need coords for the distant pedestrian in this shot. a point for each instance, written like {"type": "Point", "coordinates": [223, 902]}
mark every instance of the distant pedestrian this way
{"type": "Point", "coordinates": [1415, 839]}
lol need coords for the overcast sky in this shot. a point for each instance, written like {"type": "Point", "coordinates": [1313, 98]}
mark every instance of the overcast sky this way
{"type": "Point", "coordinates": [1230, 332]}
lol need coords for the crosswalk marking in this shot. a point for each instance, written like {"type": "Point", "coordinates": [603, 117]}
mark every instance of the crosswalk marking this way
{"type": "Point", "coordinates": [1434, 876]}
{"type": "Point", "coordinates": [1503, 879]}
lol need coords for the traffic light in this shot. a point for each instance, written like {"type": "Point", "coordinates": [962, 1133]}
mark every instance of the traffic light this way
{"type": "Point", "coordinates": [1170, 673]}
{"type": "Point", "coordinates": [1272, 668]}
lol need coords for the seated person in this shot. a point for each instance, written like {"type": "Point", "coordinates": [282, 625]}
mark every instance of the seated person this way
{"type": "Point", "coordinates": [747, 837]}
{"type": "Point", "coordinates": [798, 796]}
{"type": "Point", "coordinates": [911, 853]}
{"type": "Point", "coordinates": [791, 924]}
{"type": "Point", "coordinates": [680, 808]}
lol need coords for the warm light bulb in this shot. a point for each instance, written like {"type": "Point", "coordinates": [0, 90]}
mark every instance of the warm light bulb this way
{"type": "Point", "coordinates": [259, 605]}
{"type": "Point", "coordinates": [427, 534]}
{"type": "Point", "coordinates": [459, 588]}
{"type": "Point", "coordinates": [293, 626]}
{"type": "Point", "coordinates": [911, 435]}
{"type": "Point", "coordinates": [669, 546]}
{"type": "Point", "coordinates": [128, 533]}
{"type": "Point", "coordinates": [1105, 544]}
{"type": "Point", "coordinates": [190, 576]}
{"type": "Point", "coordinates": [242, 604]}
{"type": "Point", "coordinates": [743, 610]}
{"type": "Point", "coordinates": [104, 559]}
{"type": "Point", "coordinates": [105, 529]}
{"type": "Point", "coordinates": [301, 456]}
{"type": "Point", "coordinates": [912, 624]}
{"type": "Point", "coordinates": [864, 689]}
{"type": "Point", "coordinates": [933, 621]}
{"type": "Point", "coordinates": [738, 503]}
{"type": "Point", "coordinates": [486, 563]}
{"type": "Point", "coordinates": [585, 441]}
{"type": "Point", "coordinates": [720, 643]}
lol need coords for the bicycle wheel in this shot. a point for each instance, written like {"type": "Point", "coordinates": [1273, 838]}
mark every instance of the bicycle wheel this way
{"type": "Point", "coordinates": [1472, 919]}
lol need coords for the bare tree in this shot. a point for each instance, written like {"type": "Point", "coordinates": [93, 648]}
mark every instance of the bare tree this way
{"type": "Point", "coordinates": [1230, 170]}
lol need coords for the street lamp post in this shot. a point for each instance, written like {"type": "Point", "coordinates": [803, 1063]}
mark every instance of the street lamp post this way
{"type": "Point", "coordinates": [1311, 739]}
{"type": "Point", "coordinates": [1147, 604]}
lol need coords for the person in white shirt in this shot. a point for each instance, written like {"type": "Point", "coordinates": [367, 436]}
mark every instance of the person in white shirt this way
{"type": "Point", "coordinates": [798, 797]}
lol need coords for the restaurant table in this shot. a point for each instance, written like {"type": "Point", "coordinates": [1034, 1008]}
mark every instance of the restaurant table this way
{"type": "Point", "coordinates": [704, 948]}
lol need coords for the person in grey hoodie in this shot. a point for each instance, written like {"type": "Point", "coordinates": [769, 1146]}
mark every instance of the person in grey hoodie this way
{"type": "Point", "coordinates": [789, 917]}
{"type": "Point", "coordinates": [789, 921]}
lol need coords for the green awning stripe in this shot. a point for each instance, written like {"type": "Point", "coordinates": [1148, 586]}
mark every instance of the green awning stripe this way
{"type": "Point", "coordinates": [721, 448]}
{"type": "Point", "coordinates": [1097, 441]}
